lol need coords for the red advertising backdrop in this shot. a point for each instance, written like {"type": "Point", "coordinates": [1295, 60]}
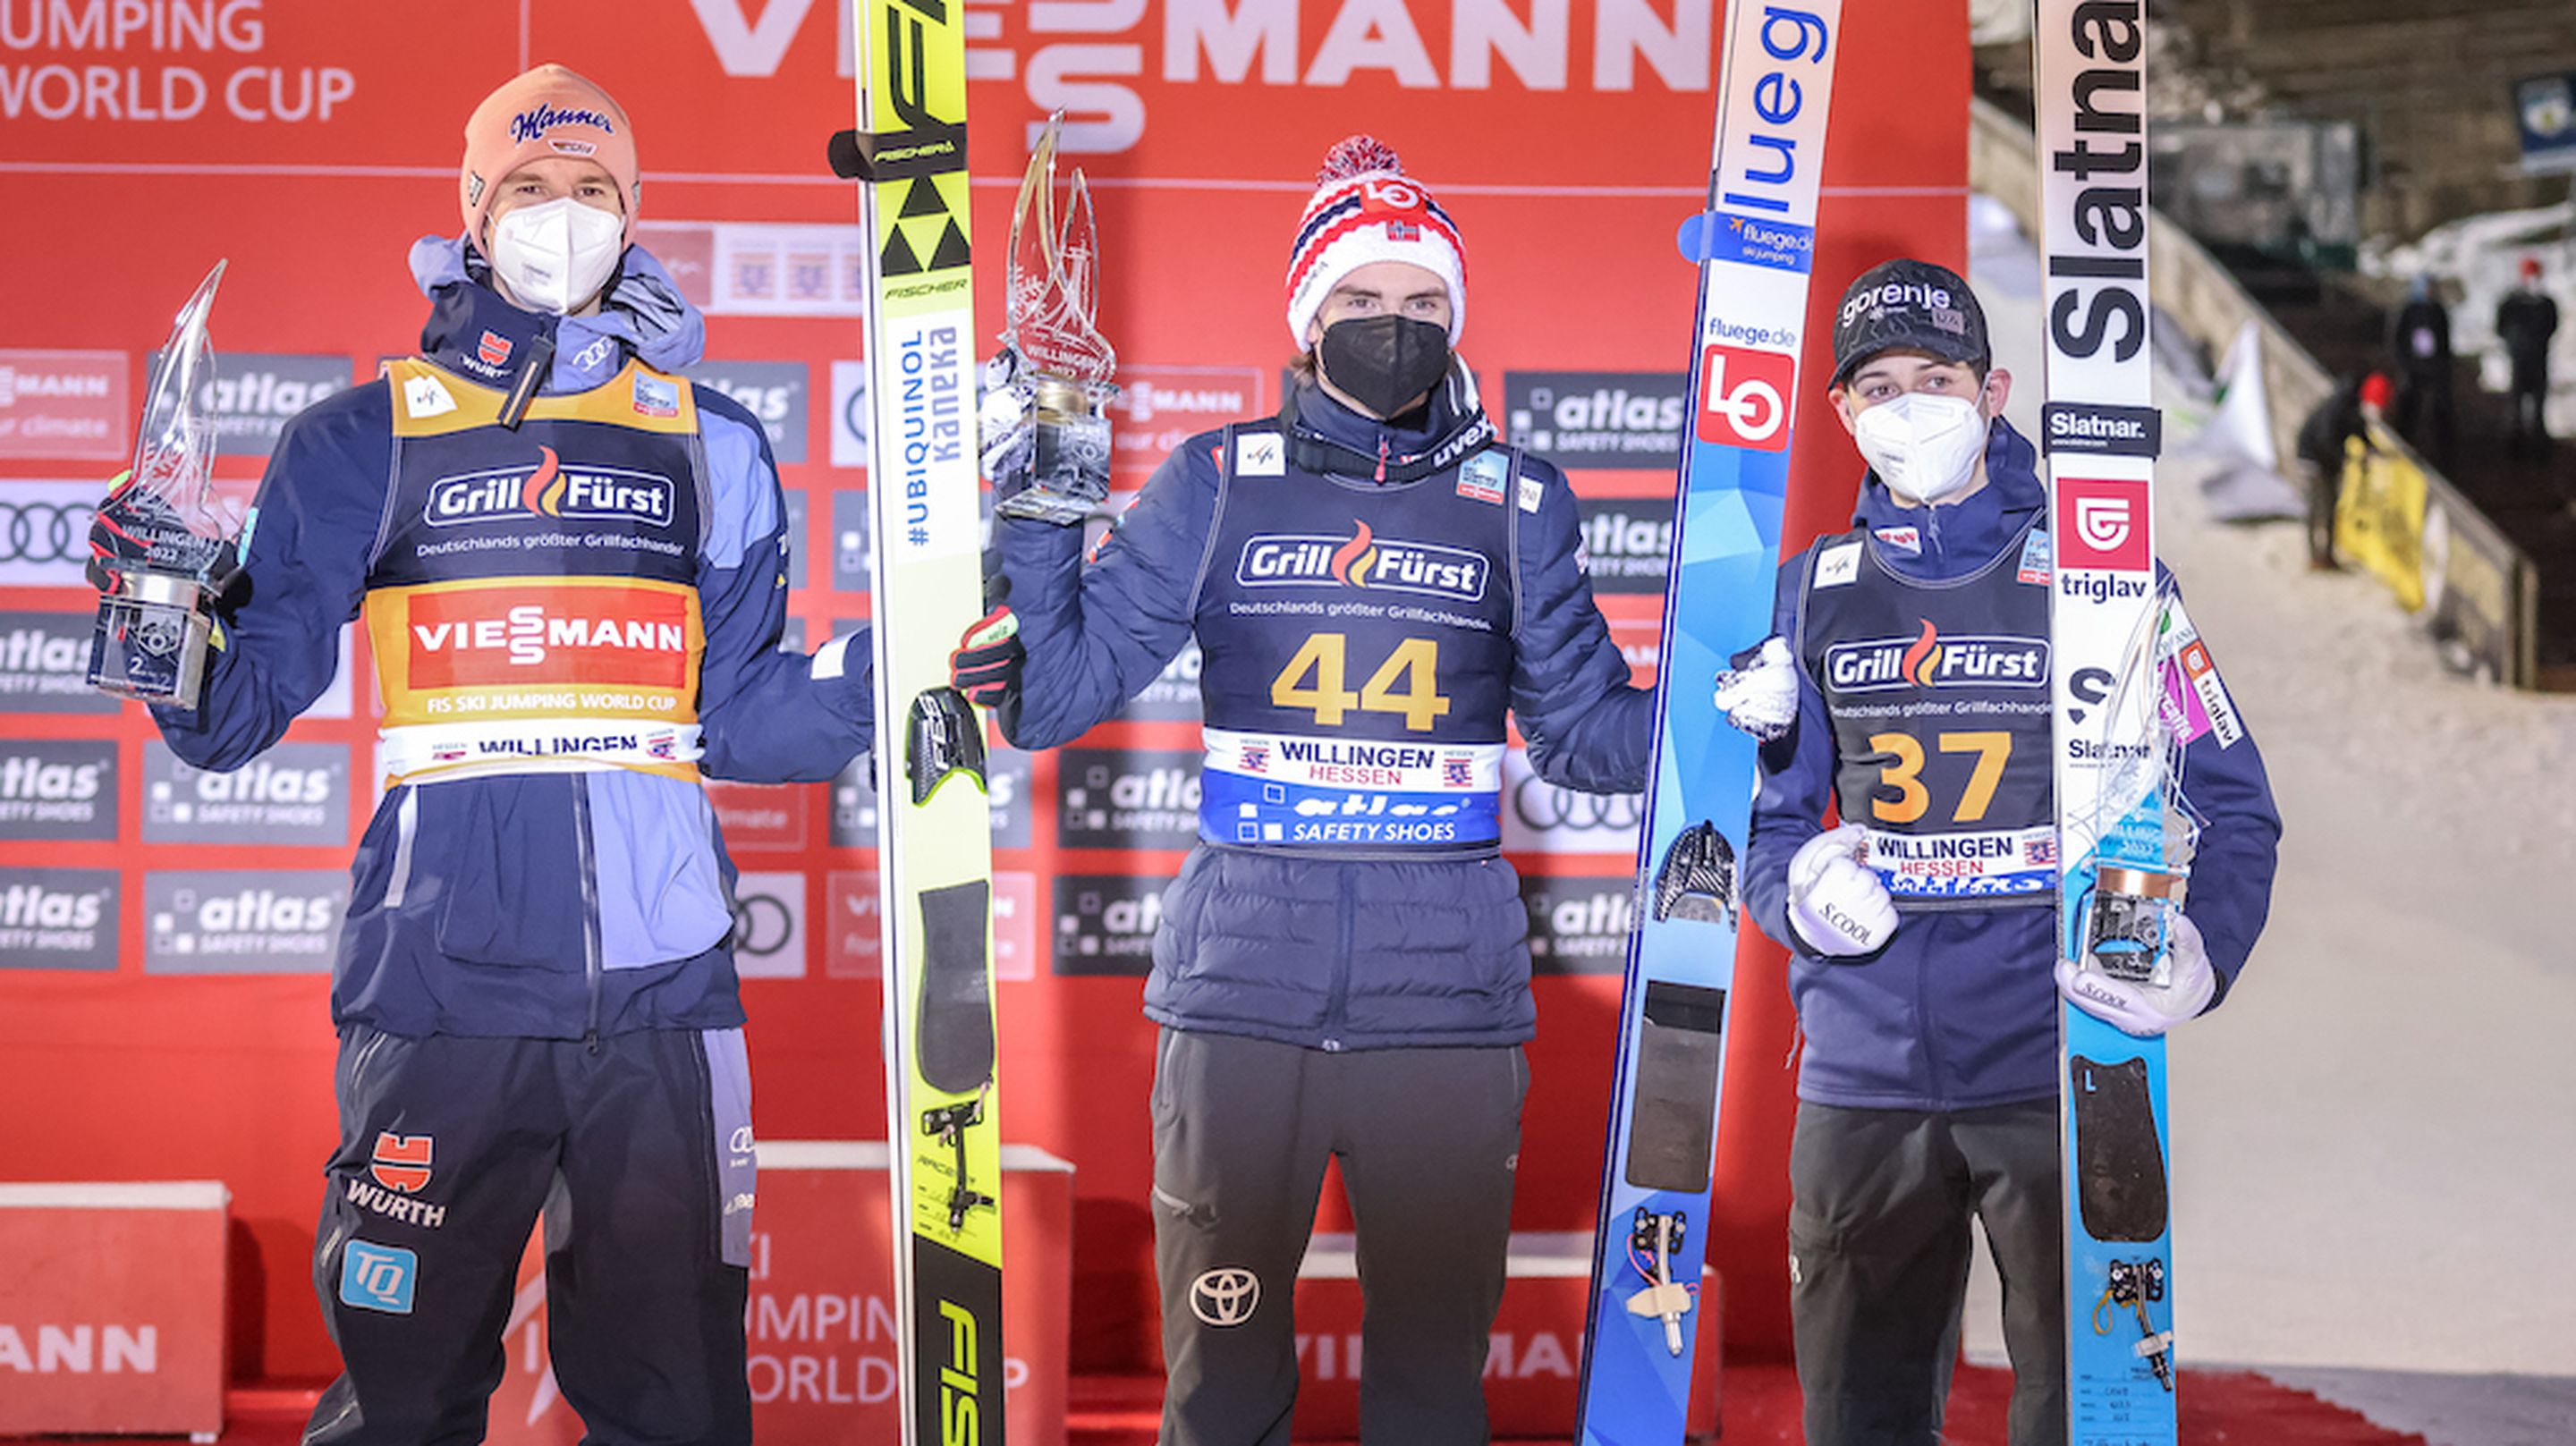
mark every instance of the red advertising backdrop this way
{"type": "Point", "coordinates": [165, 936]}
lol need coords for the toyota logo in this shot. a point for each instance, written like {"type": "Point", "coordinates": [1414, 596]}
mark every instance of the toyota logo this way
{"type": "Point", "coordinates": [1225, 1296]}
{"type": "Point", "coordinates": [1543, 806]}
{"type": "Point", "coordinates": [761, 924]}
{"type": "Point", "coordinates": [44, 531]}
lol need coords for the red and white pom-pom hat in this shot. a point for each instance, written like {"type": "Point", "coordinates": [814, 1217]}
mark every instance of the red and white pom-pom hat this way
{"type": "Point", "coordinates": [1367, 209]}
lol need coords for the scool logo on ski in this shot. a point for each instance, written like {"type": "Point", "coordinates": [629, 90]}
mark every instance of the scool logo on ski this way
{"type": "Point", "coordinates": [1363, 560]}
{"type": "Point", "coordinates": [1928, 660]}
{"type": "Point", "coordinates": [2106, 154]}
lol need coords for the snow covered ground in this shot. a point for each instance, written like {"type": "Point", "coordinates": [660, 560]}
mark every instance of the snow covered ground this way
{"type": "Point", "coordinates": [2375, 1140]}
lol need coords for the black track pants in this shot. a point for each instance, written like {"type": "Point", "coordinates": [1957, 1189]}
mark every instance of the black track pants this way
{"type": "Point", "coordinates": [1878, 1265]}
{"type": "Point", "coordinates": [638, 1156]}
{"type": "Point", "coordinates": [1428, 1141]}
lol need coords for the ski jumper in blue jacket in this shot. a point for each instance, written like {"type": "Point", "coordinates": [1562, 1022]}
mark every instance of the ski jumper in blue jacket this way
{"type": "Point", "coordinates": [575, 616]}
{"type": "Point", "coordinates": [1923, 931]}
{"type": "Point", "coordinates": [1342, 967]}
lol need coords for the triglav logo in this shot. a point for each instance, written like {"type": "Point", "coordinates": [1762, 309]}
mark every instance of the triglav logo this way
{"type": "Point", "coordinates": [2102, 523]}
{"type": "Point", "coordinates": [1929, 660]}
{"type": "Point", "coordinates": [550, 489]}
{"type": "Point", "coordinates": [1363, 560]}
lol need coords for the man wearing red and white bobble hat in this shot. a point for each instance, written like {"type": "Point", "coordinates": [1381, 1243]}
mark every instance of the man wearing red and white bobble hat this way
{"type": "Point", "coordinates": [1342, 967]}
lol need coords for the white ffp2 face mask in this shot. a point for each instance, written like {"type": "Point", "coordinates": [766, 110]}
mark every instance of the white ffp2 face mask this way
{"type": "Point", "coordinates": [556, 256]}
{"type": "Point", "coordinates": [1924, 447]}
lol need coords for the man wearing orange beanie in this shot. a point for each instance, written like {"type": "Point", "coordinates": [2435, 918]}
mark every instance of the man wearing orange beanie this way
{"type": "Point", "coordinates": [570, 563]}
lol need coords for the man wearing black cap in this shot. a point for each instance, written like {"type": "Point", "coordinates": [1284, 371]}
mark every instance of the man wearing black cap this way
{"type": "Point", "coordinates": [1908, 683]}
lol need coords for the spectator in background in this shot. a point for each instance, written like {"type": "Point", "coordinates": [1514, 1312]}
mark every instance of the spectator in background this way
{"type": "Point", "coordinates": [2525, 322]}
{"type": "Point", "coordinates": [2420, 340]}
{"type": "Point", "coordinates": [2325, 441]}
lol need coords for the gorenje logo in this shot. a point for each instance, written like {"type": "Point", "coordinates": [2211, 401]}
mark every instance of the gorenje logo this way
{"type": "Point", "coordinates": [1929, 660]}
{"type": "Point", "coordinates": [58, 919]}
{"type": "Point", "coordinates": [1363, 560]}
{"type": "Point", "coordinates": [550, 489]}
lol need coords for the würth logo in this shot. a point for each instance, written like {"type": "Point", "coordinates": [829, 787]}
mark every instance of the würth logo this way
{"type": "Point", "coordinates": [402, 1161]}
{"type": "Point", "coordinates": [2102, 523]}
{"type": "Point", "coordinates": [550, 489]}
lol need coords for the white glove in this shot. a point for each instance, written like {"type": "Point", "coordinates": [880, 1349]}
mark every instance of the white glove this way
{"type": "Point", "coordinates": [1758, 691]}
{"type": "Point", "coordinates": [1836, 903]}
{"type": "Point", "coordinates": [2140, 1009]}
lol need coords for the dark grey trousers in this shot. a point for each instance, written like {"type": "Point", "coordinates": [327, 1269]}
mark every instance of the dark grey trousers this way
{"type": "Point", "coordinates": [1878, 1265]}
{"type": "Point", "coordinates": [1428, 1141]}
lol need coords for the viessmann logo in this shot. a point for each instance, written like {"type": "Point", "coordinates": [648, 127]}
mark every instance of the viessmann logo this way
{"type": "Point", "coordinates": [634, 638]}
{"type": "Point", "coordinates": [1929, 660]}
{"type": "Point", "coordinates": [550, 489]}
{"type": "Point", "coordinates": [1363, 560]}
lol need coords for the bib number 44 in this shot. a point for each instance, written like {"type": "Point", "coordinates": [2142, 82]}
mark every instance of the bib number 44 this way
{"type": "Point", "coordinates": [1406, 683]}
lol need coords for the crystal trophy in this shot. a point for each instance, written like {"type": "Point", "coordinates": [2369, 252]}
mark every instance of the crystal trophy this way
{"type": "Point", "coordinates": [1053, 383]}
{"type": "Point", "coordinates": [168, 542]}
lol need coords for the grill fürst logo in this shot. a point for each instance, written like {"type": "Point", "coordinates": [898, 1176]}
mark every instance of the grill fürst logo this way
{"type": "Point", "coordinates": [1929, 660]}
{"type": "Point", "coordinates": [1364, 560]}
{"type": "Point", "coordinates": [550, 489]}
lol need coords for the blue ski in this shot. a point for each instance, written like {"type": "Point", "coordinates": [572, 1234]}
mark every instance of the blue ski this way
{"type": "Point", "coordinates": [2121, 837]}
{"type": "Point", "coordinates": [1753, 246]}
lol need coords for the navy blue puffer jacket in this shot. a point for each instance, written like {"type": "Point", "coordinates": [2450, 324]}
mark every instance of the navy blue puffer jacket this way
{"type": "Point", "coordinates": [1325, 952]}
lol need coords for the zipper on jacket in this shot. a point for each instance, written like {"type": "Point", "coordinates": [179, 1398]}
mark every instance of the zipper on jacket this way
{"type": "Point", "coordinates": [1337, 1005]}
{"type": "Point", "coordinates": [592, 969]}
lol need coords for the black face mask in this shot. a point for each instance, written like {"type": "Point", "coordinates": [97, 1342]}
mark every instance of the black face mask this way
{"type": "Point", "coordinates": [1385, 362]}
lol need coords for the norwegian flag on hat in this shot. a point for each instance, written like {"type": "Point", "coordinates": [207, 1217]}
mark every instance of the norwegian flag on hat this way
{"type": "Point", "coordinates": [1366, 209]}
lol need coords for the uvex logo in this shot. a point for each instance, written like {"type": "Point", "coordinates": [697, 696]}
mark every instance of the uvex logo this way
{"type": "Point", "coordinates": [1363, 560]}
{"type": "Point", "coordinates": [1929, 660]}
{"type": "Point", "coordinates": [550, 489]}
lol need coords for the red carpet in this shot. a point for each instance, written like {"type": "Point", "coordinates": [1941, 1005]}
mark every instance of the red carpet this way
{"type": "Point", "coordinates": [2219, 1408]}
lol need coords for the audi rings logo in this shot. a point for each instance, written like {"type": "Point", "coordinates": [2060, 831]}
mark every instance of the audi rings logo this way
{"type": "Point", "coordinates": [44, 531]}
{"type": "Point", "coordinates": [1225, 1296]}
{"type": "Point", "coordinates": [761, 925]}
{"type": "Point", "coordinates": [1544, 807]}
{"type": "Point", "coordinates": [768, 925]}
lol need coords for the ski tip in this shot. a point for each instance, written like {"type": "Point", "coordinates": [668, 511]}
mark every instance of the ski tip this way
{"type": "Point", "coordinates": [848, 161]}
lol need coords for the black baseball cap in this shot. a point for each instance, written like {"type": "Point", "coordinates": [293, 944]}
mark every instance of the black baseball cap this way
{"type": "Point", "coordinates": [1911, 304]}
